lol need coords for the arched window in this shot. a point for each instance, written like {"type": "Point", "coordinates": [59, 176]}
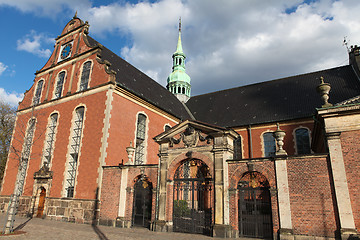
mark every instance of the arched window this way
{"type": "Point", "coordinates": [37, 95]}
{"type": "Point", "coordinates": [140, 139]}
{"type": "Point", "coordinates": [50, 139]}
{"type": "Point", "coordinates": [74, 151]}
{"type": "Point", "coordinates": [269, 144]}
{"type": "Point", "coordinates": [26, 151]}
{"type": "Point", "coordinates": [28, 140]}
{"type": "Point", "coordinates": [183, 90]}
{"type": "Point", "coordinates": [237, 148]}
{"type": "Point", "coordinates": [302, 141]}
{"type": "Point", "coordinates": [85, 76]}
{"type": "Point", "coordinates": [59, 84]}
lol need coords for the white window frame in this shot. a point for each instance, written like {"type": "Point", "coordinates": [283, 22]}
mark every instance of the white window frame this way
{"type": "Point", "coordinates": [56, 84]}
{"type": "Point", "coordinates": [81, 74]}
{"type": "Point", "coordinates": [144, 159]}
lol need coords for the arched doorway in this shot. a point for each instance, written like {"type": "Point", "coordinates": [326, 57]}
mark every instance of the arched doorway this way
{"type": "Point", "coordinates": [41, 204]}
{"type": "Point", "coordinates": [254, 206]}
{"type": "Point", "coordinates": [142, 203]}
{"type": "Point", "coordinates": [193, 198]}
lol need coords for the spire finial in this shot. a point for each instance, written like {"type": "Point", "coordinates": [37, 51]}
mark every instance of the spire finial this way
{"type": "Point", "coordinates": [75, 16]}
{"type": "Point", "coordinates": [179, 24]}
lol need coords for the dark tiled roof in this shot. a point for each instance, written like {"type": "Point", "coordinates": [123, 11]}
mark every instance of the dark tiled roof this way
{"type": "Point", "coordinates": [277, 100]}
{"type": "Point", "coordinates": [135, 81]}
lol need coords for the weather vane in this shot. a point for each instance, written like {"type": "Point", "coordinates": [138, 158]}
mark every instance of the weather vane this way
{"type": "Point", "coordinates": [345, 43]}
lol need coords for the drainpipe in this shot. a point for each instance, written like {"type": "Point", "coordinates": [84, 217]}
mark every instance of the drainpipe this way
{"type": "Point", "coordinates": [250, 142]}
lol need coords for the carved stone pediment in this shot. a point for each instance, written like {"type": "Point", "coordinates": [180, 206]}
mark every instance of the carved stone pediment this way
{"type": "Point", "coordinates": [190, 137]}
{"type": "Point", "coordinates": [43, 173]}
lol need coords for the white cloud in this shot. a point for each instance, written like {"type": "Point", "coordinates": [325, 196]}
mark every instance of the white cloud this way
{"type": "Point", "coordinates": [46, 7]}
{"type": "Point", "coordinates": [3, 67]}
{"type": "Point", "coordinates": [11, 98]}
{"type": "Point", "coordinates": [33, 42]}
{"type": "Point", "coordinates": [229, 44]}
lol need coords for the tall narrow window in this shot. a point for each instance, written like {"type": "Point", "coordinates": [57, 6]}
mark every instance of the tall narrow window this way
{"type": "Point", "coordinates": [302, 141]}
{"type": "Point", "coordinates": [269, 144]}
{"type": "Point", "coordinates": [25, 155]}
{"type": "Point", "coordinates": [237, 148]}
{"type": "Point", "coordinates": [50, 138]}
{"type": "Point", "coordinates": [28, 139]}
{"type": "Point", "coordinates": [140, 139]}
{"type": "Point", "coordinates": [59, 84]}
{"type": "Point", "coordinates": [85, 76]}
{"type": "Point", "coordinates": [38, 90]}
{"type": "Point", "coordinates": [74, 151]}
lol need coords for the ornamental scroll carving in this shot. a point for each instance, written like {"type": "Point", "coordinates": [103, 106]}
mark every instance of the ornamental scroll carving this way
{"type": "Point", "coordinates": [43, 173]}
{"type": "Point", "coordinates": [190, 137]}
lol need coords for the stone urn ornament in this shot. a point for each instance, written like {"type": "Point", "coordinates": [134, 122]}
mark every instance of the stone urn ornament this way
{"type": "Point", "coordinates": [130, 151]}
{"type": "Point", "coordinates": [279, 137]}
{"type": "Point", "coordinates": [323, 89]}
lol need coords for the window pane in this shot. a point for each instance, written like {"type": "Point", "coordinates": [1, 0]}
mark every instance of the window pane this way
{"type": "Point", "coordinates": [140, 139]}
{"type": "Point", "coordinates": [74, 151]}
{"type": "Point", "coordinates": [59, 84]}
{"type": "Point", "coordinates": [50, 138]}
{"type": "Point", "coordinates": [85, 76]}
{"type": "Point", "coordinates": [302, 141]}
{"type": "Point", "coordinates": [38, 92]}
{"type": "Point", "coordinates": [237, 148]}
{"type": "Point", "coordinates": [269, 144]}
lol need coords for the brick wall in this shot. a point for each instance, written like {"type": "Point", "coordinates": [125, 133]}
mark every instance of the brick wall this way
{"type": "Point", "coordinates": [110, 193]}
{"type": "Point", "coordinates": [311, 197]}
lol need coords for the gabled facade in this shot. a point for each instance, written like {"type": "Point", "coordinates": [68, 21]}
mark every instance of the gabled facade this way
{"type": "Point", "coordinates": [97, 140]}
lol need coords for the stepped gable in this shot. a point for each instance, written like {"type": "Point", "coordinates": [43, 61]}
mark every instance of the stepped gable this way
{"type": "Point", "coordinates": [278, 100]}
{"type": "Point", "coordinates": [138, 83]}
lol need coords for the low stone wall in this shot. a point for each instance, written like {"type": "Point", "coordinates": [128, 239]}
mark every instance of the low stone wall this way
{"type": "Point", "coordinates": [71, 210]}
{"type": "Point", "coordinates": [24, 205]}
{"type": "Point", "coordinates": [61, 209]}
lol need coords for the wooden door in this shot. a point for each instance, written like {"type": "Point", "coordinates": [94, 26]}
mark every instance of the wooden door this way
{"type": "Point", "coordinates": [41, 203]}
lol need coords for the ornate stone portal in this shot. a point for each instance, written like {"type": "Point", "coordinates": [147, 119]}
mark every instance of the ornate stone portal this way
{"type": "Point", "coordinates": [190, 142]}
{"type": "Point", "coordinates": [41, 188]}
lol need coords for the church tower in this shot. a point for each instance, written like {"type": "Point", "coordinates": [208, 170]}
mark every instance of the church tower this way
{"type": "Point", "coordinates": [178, 81]}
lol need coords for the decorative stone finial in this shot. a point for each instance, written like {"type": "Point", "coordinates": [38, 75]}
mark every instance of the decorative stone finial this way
{"type": "Point", "coordinates": [75, 16]}
{"type": "Point", "coordinates": [130, 151]}
{"type": "Point", "coordinates": [323, 89]}
{"type": "Point", "coordinates": [279, 137]}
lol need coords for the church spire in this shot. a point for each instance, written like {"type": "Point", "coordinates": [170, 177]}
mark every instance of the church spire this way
{"type": "Point", "coordinates": [178, 81]}
{"type": "Point", "coordinates": [179, 46]}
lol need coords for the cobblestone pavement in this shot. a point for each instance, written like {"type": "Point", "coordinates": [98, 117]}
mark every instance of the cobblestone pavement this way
{"type": "Point", "coordinates": [37, 228]}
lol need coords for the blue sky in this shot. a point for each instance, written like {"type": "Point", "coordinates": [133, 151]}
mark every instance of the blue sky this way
{"type": "Point", "coordinates": [227, 45]}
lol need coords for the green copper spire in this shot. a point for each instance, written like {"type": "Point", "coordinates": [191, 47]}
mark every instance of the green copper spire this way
{"type": "Point", "coordinates": [179, 46]}
{"type": "Point", "coordinates": [178, 81]}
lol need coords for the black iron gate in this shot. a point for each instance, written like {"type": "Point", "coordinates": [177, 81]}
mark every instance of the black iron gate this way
{"type": "Point", "coordinates": [142, 203]}
{"type": "Point", "coordinates": [193, 198]}
{"type": "Point", "coordinates": [254, 206]}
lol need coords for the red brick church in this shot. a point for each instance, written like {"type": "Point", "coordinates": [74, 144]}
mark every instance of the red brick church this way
{"type": "Point", "coordinates": [96, 140]}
